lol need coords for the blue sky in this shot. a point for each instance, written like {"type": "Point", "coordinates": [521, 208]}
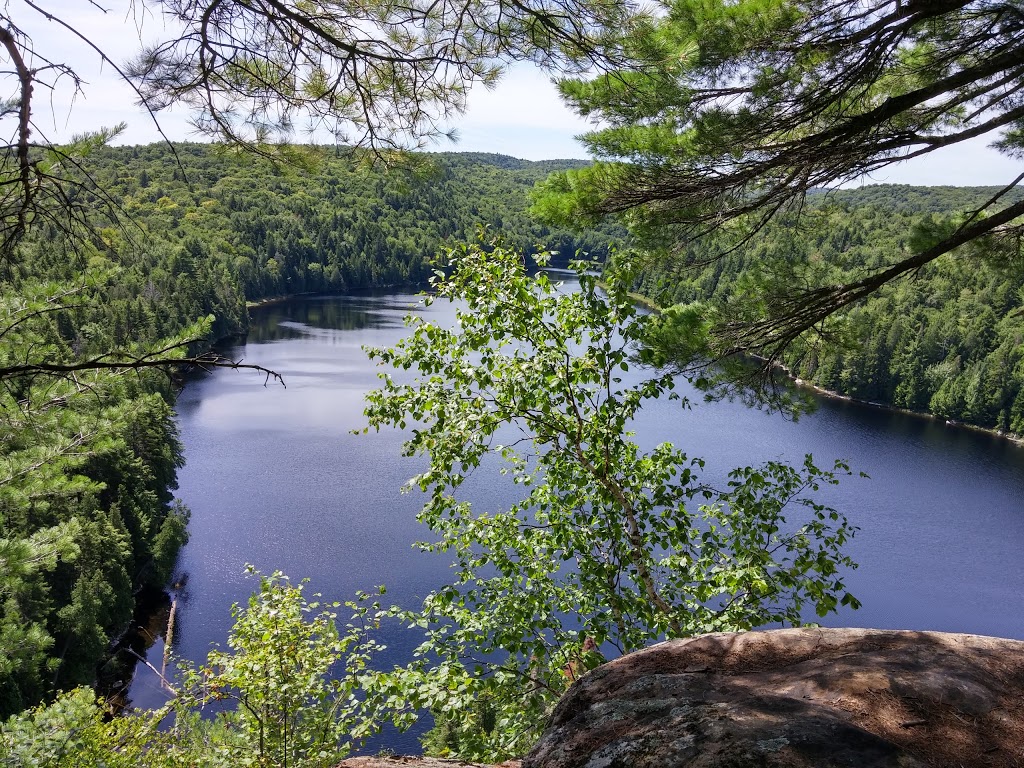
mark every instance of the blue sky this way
{"type": "Point", "coordinates": [522, 117]}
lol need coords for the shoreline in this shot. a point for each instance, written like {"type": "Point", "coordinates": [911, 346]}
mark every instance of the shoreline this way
{"type": "Point", "coordinates": [367, 290]}
{"type": "Point", "coordinates": [1017, 440]}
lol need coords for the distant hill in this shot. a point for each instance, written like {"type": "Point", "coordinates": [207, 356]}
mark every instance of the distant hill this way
{"type": "Point", "coordinates": [910, 199]}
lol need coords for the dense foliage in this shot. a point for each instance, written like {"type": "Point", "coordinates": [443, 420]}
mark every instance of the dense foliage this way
{"type": "Point", "coordinates": [218, 226]}
{"type": "Point", "coordinates": [287, 676]}
{"type": "Point", "coordinates": [947, 340]}
{"type": "Point", "coordinates": [734, 111]}
{"type": "Point", "coordinates": [87, 469]}
{"type": "Point", "coordinates": [87, 509]}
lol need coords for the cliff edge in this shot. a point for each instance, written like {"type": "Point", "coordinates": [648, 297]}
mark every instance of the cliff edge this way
{"type": "Point", "coordinates": [794, 698]}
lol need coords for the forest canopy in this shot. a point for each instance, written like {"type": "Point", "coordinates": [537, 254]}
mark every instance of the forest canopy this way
{"type": "Point", "coordinates": [946, 341]}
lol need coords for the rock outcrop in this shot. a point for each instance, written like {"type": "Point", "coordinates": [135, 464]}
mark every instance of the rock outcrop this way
{"type": "Point", "coordinates": [792, 698]}
{"type": "Point", "coordinates": [797, 698]}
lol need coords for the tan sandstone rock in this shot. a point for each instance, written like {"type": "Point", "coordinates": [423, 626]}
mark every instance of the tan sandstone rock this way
{"type": "Point", "coordinates": [797, 698]}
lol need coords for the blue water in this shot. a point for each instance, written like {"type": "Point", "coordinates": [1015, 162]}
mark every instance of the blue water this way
{"type": "Point", "coordinates": [276, 478]}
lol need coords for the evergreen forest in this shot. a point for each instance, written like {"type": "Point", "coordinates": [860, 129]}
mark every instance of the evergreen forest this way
{"type": "Point", "coordinates": [205, 230]}
{"type": "Point", "coordinates": [945, 339]}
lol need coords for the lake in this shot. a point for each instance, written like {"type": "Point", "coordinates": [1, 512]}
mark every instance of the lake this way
{"type": "Point", "coordinates": [276, 478]}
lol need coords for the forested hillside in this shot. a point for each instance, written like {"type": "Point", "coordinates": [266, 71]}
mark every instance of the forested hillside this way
{"type": "Point", "coordinates": [87, 467]}
{"type": "Point", "coordinates": [174, 236]}
{"type": "Point", "coordinates": [270, 230]}
{"type": "Point", "coordinates": [947, 339]}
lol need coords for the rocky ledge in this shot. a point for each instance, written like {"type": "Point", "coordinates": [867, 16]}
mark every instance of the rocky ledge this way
{"type": "Point", "coordinates": [797, 697]}
{"type": "Point", "coordinates": [792, 698]}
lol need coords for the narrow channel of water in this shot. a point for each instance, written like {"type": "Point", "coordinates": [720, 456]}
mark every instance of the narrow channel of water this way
{"type": "Point", "coordinates": [276, 478]}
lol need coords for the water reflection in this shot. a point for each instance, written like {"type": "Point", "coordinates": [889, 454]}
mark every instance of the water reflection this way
{"type": "Point", "coordinates": [294, 318]}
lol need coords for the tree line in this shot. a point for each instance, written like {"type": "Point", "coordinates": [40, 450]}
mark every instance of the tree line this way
{"type": "Point", "coordinates": [945, 340]}
{"type": "Point", "coordinates": [219, 226]}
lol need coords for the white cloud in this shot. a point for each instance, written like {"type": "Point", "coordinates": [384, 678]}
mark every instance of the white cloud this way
{"type": "Point", "coordinates": [526, 97]}
{"type": "Point", "coordinates": [523, 116]}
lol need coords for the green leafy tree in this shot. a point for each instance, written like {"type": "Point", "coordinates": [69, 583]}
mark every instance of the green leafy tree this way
{"type": "Point", "coordinates": [75, 451]}
{"type": "Point", "coordinates": [285, 687]}
{"type": "Point", "coordinates": [605, 540]}
{"type": "Point", "coordinates": [86, 299]}
{"type": "Point", "coordinates": [291, 677]}
{"type": "Point", "coordinates": [76, 732]}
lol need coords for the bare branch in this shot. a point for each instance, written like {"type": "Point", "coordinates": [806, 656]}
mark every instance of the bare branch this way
{"type": "Point", "coordinates": [154, 359]}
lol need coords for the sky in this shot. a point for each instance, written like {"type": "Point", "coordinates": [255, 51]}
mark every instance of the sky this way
{"type": "Point", "coordinates": [522, 117]}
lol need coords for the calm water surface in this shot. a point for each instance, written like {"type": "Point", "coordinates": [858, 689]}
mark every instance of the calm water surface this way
{"type": "Point", "coordinates": [276, 478]}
